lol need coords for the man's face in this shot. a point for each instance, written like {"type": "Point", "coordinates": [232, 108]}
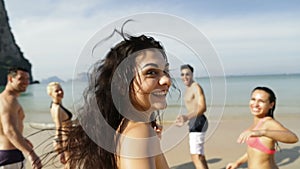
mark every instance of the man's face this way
{"type": "Point", "coordinates": [21, 81]}
{"type": "Point", "coordinates": [186, 76]}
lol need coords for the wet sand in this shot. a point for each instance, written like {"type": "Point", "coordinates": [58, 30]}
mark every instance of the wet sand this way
{"type": "Point", "coordinates": [220, 147]}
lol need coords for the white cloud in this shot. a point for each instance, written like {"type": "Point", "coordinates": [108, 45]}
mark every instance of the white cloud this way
{"type": "Point", "coordinates": [52, 33]}
{"type": "Point", "coordinates": [258, 37]}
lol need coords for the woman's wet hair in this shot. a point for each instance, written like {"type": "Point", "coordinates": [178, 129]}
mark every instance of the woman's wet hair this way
{"type": "Point", "coordinates": [99, 104]}
{"type": "Point", "coordinates": [272, 98]}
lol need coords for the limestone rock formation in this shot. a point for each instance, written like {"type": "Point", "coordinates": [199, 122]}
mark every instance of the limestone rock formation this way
{"type": "Point", "coordinates": [10, 53]}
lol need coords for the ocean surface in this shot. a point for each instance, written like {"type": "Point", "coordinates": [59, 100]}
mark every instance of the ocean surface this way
{"type": "Point", "coordinates": [237, 89]}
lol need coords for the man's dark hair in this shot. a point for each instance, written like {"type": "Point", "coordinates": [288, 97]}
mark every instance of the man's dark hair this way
{"type": "Point", "coordinates": [13, 71]}
{"type": "Point", "coordinates": [187, 66]}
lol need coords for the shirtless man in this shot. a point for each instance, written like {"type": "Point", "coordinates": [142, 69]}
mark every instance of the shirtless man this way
{"type": "Point", "coordinates": [194, 100]}
{"type": "Point", "coordinates": [13, 146]}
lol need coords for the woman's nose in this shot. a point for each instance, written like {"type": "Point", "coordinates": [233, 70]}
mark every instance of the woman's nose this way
{"type": "Point", "coordinates": [165, 80]}
{"type": "Point", "coordinates": [255, 103]}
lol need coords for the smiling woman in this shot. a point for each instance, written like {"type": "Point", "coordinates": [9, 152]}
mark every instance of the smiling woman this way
{"type": "Point", "coordinates": [151, 86]}
{"type": "Point", "coordinates": [125, 89]}
{"type": "Point", "coordinates": [61, 117]}
{"type": "Point", "coordinates": [263, 135]}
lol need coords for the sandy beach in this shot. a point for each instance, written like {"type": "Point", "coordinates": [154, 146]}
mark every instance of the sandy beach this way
{"type": "Point", "coordinates": [221, 147]}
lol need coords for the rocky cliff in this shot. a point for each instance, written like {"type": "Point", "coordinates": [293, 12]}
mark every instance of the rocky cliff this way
{"type": "Point", "coordinates": [10, 53]}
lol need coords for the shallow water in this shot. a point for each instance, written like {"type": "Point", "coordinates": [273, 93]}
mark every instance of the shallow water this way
{"type": "Point", "coordinates": [35, 100]}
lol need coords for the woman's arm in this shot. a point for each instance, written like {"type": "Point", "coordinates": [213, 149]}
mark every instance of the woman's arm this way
{"type": "Point", "coordinates": [278, 132]}
{"type": "Point", "coordinates": [161, 162]}
{"type": "Point", "coordinates": [273, 130]}
{"type": "Point", "coordinates": [240, 161]}
{"type": "Point", "coordinates": [57, 119]}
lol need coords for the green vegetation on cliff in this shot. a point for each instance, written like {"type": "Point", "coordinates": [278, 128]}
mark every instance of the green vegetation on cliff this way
{"type": "Point", "coordinates": [10, 53]}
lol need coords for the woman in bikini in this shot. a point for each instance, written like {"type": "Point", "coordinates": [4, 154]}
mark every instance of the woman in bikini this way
{"type": "Point", "coordinates": [263, 135]}
{"type": "Point", "coordinates": [60, 116]}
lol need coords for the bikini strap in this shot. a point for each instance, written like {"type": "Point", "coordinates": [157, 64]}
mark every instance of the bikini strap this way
{"type": "Point", "coordinates": [259, 123]}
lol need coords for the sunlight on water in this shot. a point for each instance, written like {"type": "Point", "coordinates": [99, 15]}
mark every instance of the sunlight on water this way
{"type": "Point", "coordinates": [36, 102]}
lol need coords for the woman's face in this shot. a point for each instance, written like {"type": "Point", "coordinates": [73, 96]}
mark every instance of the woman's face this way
{"type": "Point", "coordinates": [57, 92]}
{"type": "Point", "coordinates": [259, 103]}
{"type": "Point", "coordinates": [151, 81]}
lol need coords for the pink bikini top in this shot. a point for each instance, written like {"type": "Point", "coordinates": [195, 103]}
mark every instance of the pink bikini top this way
{"type": "Point", "coordinates": [255, 142]}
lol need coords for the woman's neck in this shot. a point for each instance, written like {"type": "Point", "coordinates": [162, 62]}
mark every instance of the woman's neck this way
{"type": "Point", "coordinates": [133, 114]}
{"type": "Point", "coordinates": [56, 101]}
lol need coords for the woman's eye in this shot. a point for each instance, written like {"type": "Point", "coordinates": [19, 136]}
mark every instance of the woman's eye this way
{"type": "Point", "coordinates": [262, 101]}
{"type": "Point", "coordinates": [167, 72]}
{"type": "Point", "coordinates": [151, 72]}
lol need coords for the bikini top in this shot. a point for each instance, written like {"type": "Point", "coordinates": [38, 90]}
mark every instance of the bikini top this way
{"type": "Point", "coordinates": [70, 115]}
{"type": "Point", "coordinates": [255, 142]}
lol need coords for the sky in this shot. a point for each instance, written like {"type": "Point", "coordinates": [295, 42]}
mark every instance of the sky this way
{"type": "Point", "coordinates": [249, 36]}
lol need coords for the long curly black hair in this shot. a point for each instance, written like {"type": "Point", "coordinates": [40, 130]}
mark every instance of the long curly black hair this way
{"type": "Point", "coordinates": [100, 113]}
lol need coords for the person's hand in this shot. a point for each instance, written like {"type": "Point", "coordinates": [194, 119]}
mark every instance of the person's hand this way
{"type": "Point", "coordinates": [247, 134]}
{"type": "Point", "coordinates": [34, 160]}
{"type": "Point", "coordinates": [158, 130]}
{"type": "Point", "coordinates": [231, 166]}
{"type": "Point", "coordinates": [180, 120]}
{"type": "Point", "coordinates": [29, 142]}
{"type": "Point", "coordinates": [63, 158]}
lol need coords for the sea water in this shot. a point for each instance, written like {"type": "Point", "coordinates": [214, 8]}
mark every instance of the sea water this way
{"type": "Point", "coordinates": [36, 102]}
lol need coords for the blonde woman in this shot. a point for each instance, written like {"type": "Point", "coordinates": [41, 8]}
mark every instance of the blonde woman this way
{"type": "Point", "coordinates": [61, 118]}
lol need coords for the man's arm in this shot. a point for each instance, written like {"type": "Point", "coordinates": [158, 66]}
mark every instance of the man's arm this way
{"type": "Point", "coordinates": [9, 117]}
{"type": "Point", "coordinates": [9, 124]}
{"type": "Point", "coordinates": [200, 103]}
{"type": "Point", "coordinates": [199, 109]}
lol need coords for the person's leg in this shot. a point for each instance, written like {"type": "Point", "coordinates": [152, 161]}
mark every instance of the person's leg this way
{"type": "Point", "coordinates": [196, 141]}
{"type": "Point", "coordinates": [199, 161]}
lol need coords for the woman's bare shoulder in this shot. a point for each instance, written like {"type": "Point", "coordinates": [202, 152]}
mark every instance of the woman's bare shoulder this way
{"type": "Point", "coordinates": [138, 130]}
{"type": "Point", "coordinates": [139, 140]}
{"type": "Point", "coordinates": [271, 123]}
